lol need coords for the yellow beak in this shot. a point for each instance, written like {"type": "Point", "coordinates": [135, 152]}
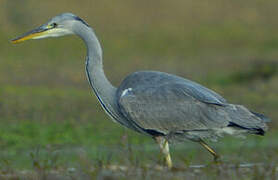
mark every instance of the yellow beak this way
{"type": "Point", "coordinates": [34, 34]}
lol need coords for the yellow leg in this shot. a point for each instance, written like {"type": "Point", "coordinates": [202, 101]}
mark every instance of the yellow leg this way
{"type": "Point", "coordinates": [215, 155]}
{"type": "Point", "coordinates": [164, 148]}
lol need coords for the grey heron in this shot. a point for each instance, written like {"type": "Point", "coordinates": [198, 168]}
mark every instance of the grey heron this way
{"type": "Point", "coordinates": [163, 106]}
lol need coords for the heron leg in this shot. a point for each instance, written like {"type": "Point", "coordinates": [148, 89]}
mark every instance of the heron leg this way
{"type": "Point", "coordinates": [215, 155]}
{"type": "Point", "coordinates": [164, 149]}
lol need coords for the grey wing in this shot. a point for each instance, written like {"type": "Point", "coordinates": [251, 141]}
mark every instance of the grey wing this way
{"type": "Point", "coordinates": [165, 103]}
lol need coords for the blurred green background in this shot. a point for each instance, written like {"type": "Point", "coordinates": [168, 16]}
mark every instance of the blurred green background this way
{"type": "Point", "coordinates": [47, 107]}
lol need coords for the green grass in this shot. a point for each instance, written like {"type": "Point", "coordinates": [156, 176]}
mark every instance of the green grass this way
{"type": "Point", "coordinates": [61, 146]}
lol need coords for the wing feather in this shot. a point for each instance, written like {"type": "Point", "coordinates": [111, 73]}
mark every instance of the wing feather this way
{"type": "Point", "coordinates": [169, 103]}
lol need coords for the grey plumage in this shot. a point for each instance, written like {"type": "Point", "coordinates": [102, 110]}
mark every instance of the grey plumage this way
{"type": "Point", "coordinates": [161, 105]}
{"type": "Point", "coordinates": [172, 106]}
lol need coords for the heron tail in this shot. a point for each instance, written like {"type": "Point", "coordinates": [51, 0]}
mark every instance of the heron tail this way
{"type": "Point", "coordinates": [258, 131]}
{"type": "Point", "coordinates": [261, 116]}
{"type": "Point", "coordinates": [242, 118]}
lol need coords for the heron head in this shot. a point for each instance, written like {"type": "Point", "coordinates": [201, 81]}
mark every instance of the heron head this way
{"type": "Point", "coordinates": [60, 25]}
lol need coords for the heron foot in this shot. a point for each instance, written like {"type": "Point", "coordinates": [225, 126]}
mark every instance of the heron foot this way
{"type": "Point", "coordinates": [216, 157]}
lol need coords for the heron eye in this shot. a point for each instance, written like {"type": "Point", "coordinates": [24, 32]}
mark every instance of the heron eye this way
{"type": "Point", "coordinates": [54, 25]}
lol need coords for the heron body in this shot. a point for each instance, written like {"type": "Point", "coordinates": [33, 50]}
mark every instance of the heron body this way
{"type": "Point", "coordinates": [163, 106]}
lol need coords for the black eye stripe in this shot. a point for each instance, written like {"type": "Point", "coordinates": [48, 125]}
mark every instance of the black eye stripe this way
{"type": "Point", "coordinates": [81, 20]}
{"type": "Point", "coordinates": [54, 25]}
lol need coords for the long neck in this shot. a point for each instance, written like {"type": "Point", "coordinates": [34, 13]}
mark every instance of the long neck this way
{"type": "Point", "coordinates": [103, 89]}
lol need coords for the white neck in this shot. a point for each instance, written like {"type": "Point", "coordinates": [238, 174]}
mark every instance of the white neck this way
{"type": "Point", "coordinates": [103, 89]}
